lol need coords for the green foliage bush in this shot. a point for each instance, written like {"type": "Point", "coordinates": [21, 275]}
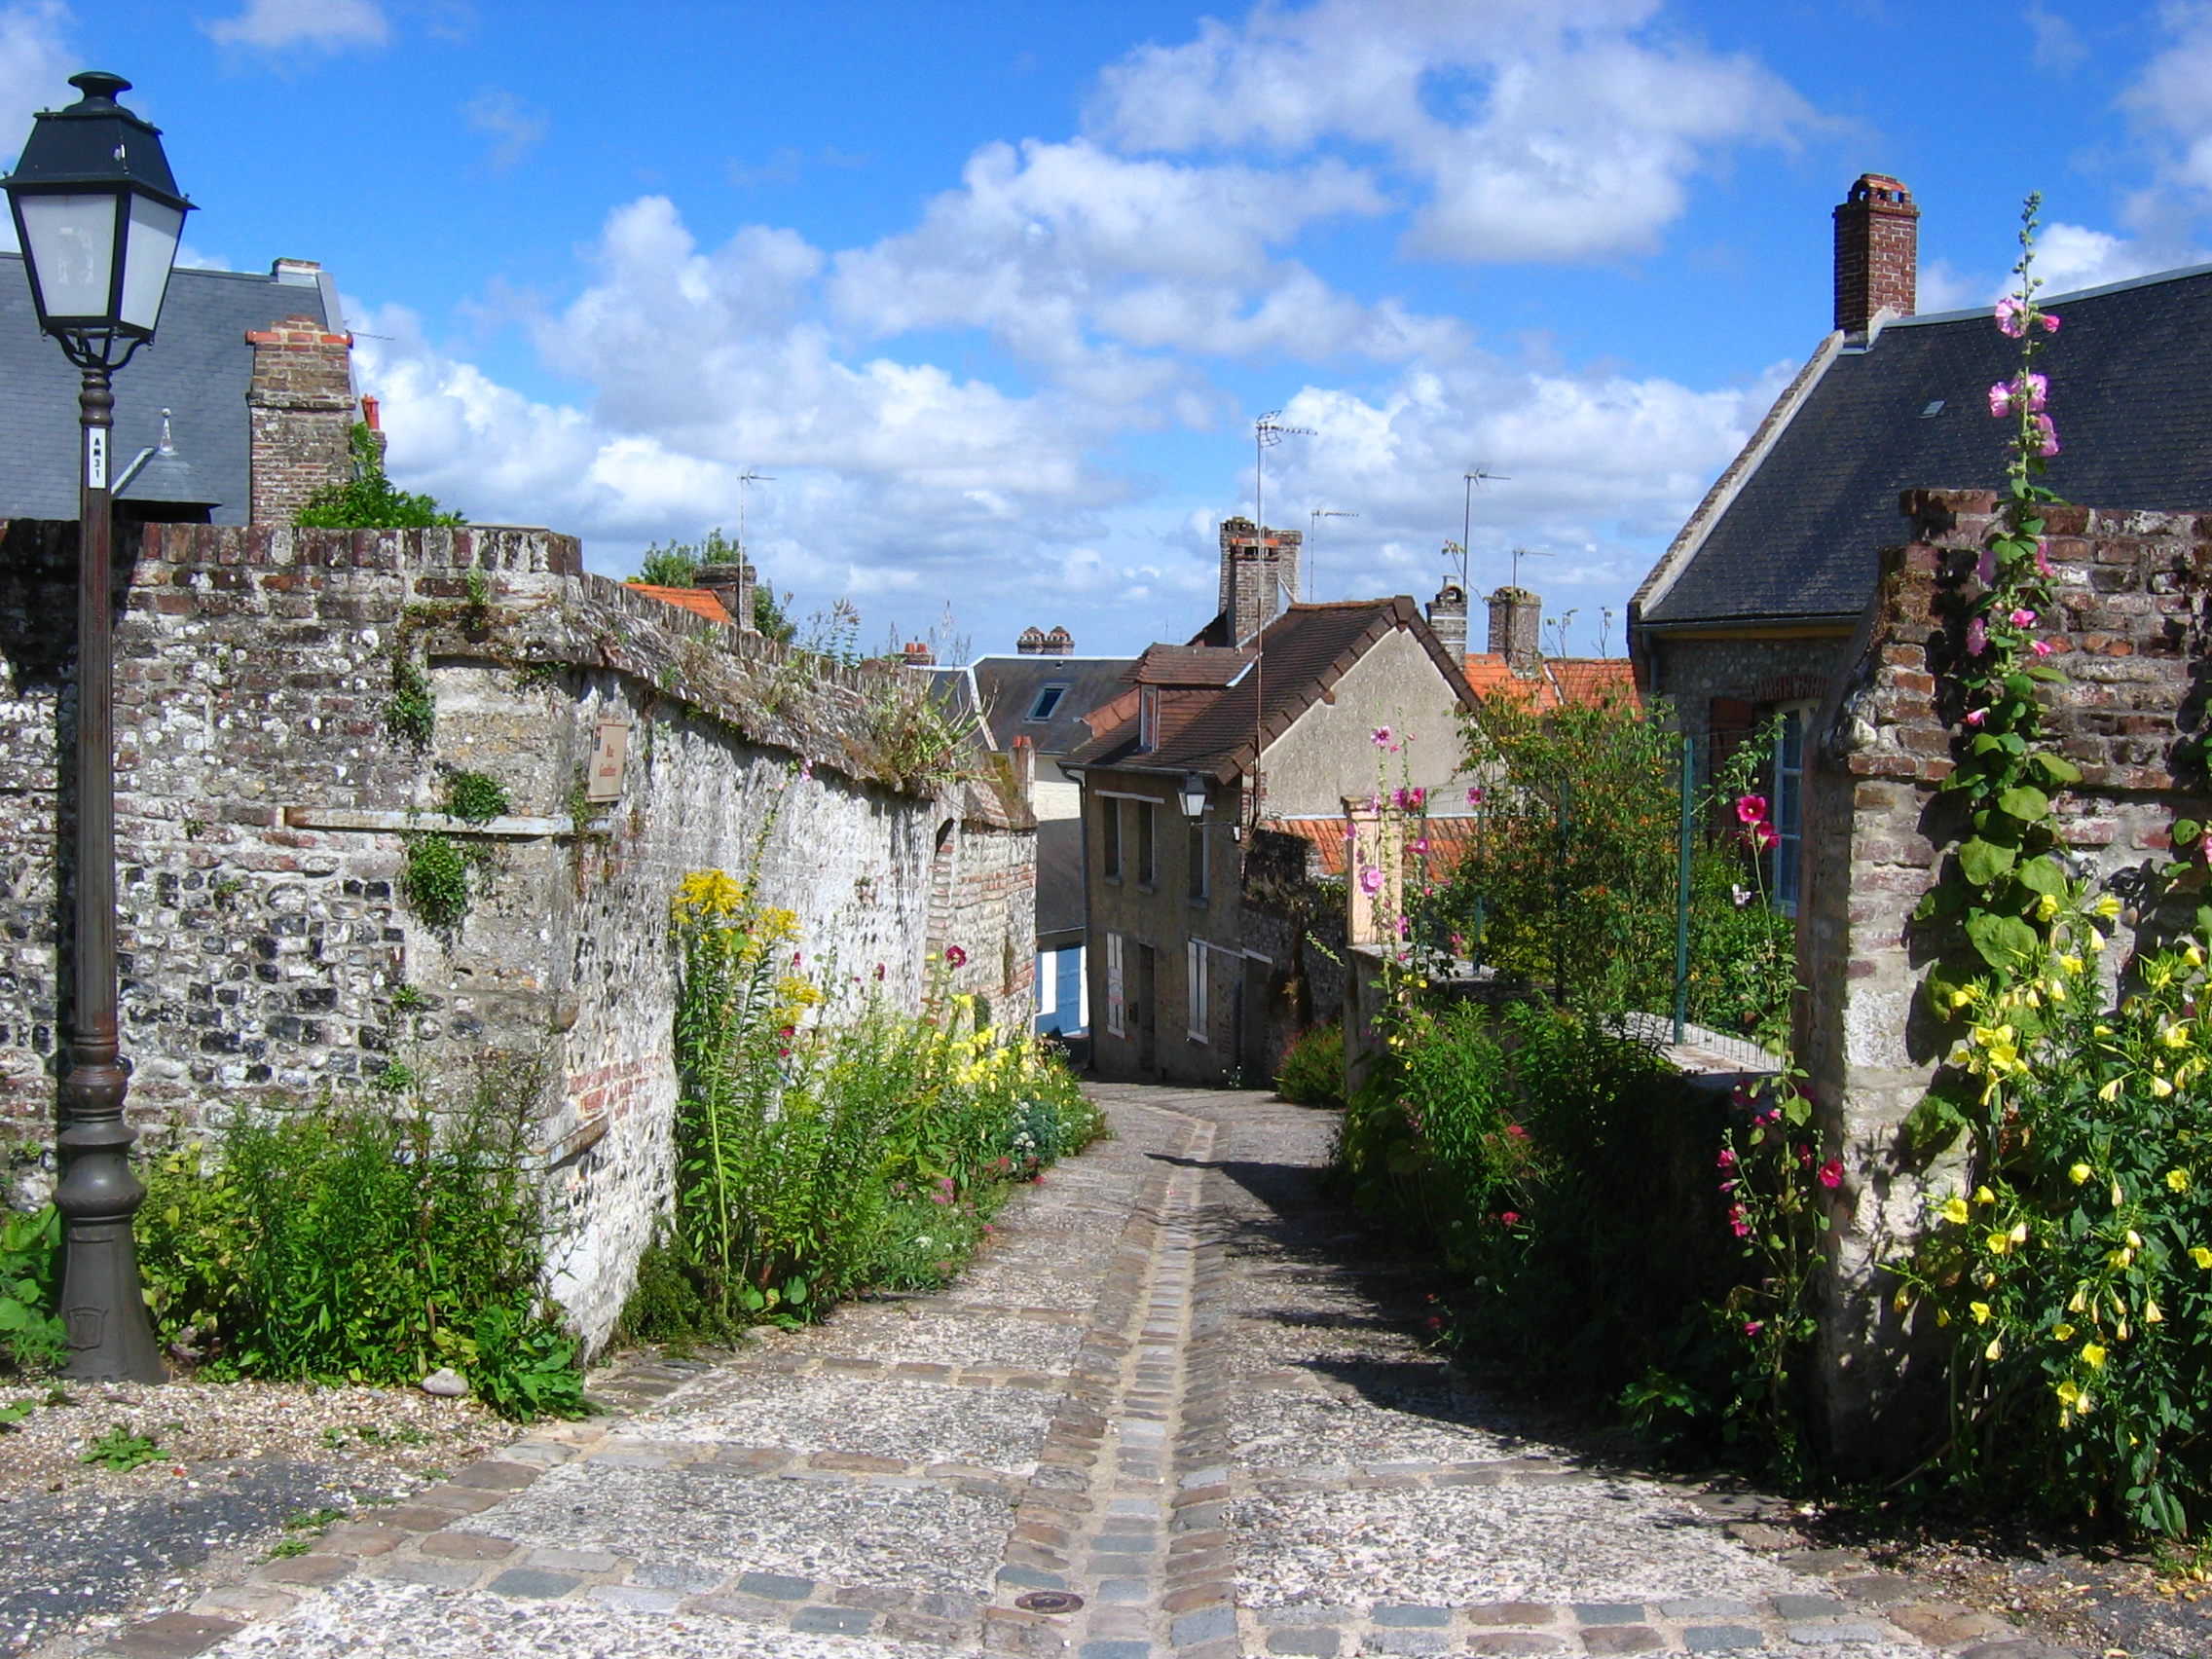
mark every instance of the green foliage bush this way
{"type": "Point", "coordinates": [434, 879]}
{"type": "Point", "coordinates": [474, 797]}
{"type": "Point", "coordinates": [368, 500]}
{"type": "Point", "coordinates": [819, 1156]}
{"type": "Point", "coordinates": [1312, 1072]}
{"type": "Point", "coordinates": [362, 1242]}
{"type": "Point", "coordinates": [31, 1337]}
{"type": "Point", "coordinates": [676, 564]}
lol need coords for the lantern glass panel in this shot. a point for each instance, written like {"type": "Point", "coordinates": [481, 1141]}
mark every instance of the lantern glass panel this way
{"type": "Point", "coordinates": [155, 227]}
{"type": "Point", "coordinates": [72, 251]}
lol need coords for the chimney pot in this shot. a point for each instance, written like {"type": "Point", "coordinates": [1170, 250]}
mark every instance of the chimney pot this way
{"type": "Point", "coordinates": [1448, 620]}
{"type": "Point", "coordinates": [1060, 643]}
{"type": "Point", "coordinates": [1031, 643]}
{"type": "Point", "coordinates": [733, 585]}
{"type": "Point", "coordinates": [1259, 573]}
{"type": "Point", "coordinates": [1877, 253]}
{"type": "Point", "coordinates": [1515, 628]}
{"type": "Point", "coordinates": [919, 655]}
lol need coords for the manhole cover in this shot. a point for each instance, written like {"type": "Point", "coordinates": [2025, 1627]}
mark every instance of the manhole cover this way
{"type": "Point", "coordinates": [1049, 1602]}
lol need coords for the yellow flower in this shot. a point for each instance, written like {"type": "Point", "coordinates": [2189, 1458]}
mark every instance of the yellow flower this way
{"type": "Point", "coordinates": [2019, 1232]}
{"type": "Point", "coordinates": [2046, 907]}
{"type": "Point", "coordinates": [2176, 1036]}
{"type": "Point", "coordinates": [2062, 1331]}
{"type": "Point", "coordinates": [2096, 944]}
{"type": "Point", "coordinates": [1998, 1243]}
{"type": "Point", "coordinates": [2161, 1087]}
{"type": "Point", "coordinates": [2194, 957]}
{"type": "Point", "coordinates": [2080, 1173]}
{"type": "Point", "coordinates": [2080, 1301]}
{"type": "Point", "coordinates": [2177, 1180]}
{"type": "Point", "coordinates": [2108, 907]}
{"type": "Point", "coordinates": [2093, 1355]}
{"type": "Point", "coordinates": [2121, 1258]}
{"type": "Point", "coordinates": [1984, 1195]}
{"type": "Point", "coordinates": [2117, 1198]}
{"type": "Point", "coordinates": [2202, 1257]}
{"type": "Point", "coordinates": [1961, 997]}
{"type": "Point", "coordinates": [1995, 1349]}
{"type": "Point", "coordinates": [1955, 1210]}
{"type": "Point", "coordinates": [2134, 1239]}
{"type": "Point", "coordinates": [1942, 1317]}
{"type": "Point", "coordinates": [2151, 1313]}
{"type": "Point", "coordinates": [2071, 964]}
{"type": "Point", "coordinates": [1904, 1297]}
{"type": "Point", "coordinates": [1980, 1311]}
{"type": "Point", "coordinates": [2110, 1091]}
{"type": "Point", "coordinates": [2068, 1394]}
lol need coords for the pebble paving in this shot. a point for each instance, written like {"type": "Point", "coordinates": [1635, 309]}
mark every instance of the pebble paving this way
{"type": "Point", "coordinates": [1171, 1414]}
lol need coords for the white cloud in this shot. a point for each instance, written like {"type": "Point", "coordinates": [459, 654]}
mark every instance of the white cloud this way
{"type": "Point", "coordinates": [326, 23]}
{"type": "Point", "coordinates": [514, 127]}
{"type": "Point", "coordinates": [1543, 129]}
{"type": "Point", "coordinates": [35, 64]}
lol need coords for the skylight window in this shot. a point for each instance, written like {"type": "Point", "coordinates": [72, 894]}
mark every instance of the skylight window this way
{"type": "Point", "coordinates": [1048, 700]}
{"type": "Point", "coordinates": [1934, 407]}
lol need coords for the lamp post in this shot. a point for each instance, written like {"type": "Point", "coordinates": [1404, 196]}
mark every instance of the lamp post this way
{"type": "Point", "coordinates": [97, 215]}
{"type": "Point", "coordinates": [1194, 796]}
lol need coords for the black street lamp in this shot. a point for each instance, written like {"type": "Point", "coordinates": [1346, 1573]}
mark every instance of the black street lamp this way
{"type": "Point", "coordinates": [97, 215]}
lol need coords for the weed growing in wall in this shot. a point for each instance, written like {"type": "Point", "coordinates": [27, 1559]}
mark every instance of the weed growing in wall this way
{"type": "Point", "coordinates": [474, 797]}
{"type": "Point", "coordinates": [410, 712]}
{"type": "Point", "coordinates": [434, 879]}
{"type": "Point", "coordinates": [368, 500]}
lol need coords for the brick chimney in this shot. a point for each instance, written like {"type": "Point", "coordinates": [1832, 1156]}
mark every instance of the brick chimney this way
{"type": "Point", "coordinates": [733, 585]}
{"type": "Point", "coordinates": [1878, 253]}
{"type": "Point", "coordinates": [1259, 575]}
{"type": "Point", "coordinates": [300, 406]}
{"type": "Point", "coordinates": [1448, 620]}
{"type": "Point", "coordinates": [1031, 643]}
{"type": "Point", "coordinates": [1515, 628]}
{"type": "Point", "coordinates": [918, 654]}
{"type": "Point", "coordinates": [1024, 753]}
{"type": "Point", "coordinates": [1059, 643]}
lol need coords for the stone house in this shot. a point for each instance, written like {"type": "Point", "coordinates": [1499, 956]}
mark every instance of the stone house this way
{"type": "Point", "coordinates": [1748, 614]}
{"type": "Point", "coordinates": [239, 408]}
{"type": "Point", "coordinates": [1206, 748]}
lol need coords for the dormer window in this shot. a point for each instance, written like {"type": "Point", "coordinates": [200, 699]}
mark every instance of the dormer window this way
{"type": "Point", "coordinates": [1148, 718]}
{"type": "Point", "coordinates": [1048, 700]}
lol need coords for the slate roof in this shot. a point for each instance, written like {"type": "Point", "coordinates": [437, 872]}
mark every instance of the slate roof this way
{"type": "Point", "coordinates": [1304, 650]}
{"type": "Point", "coordinates": [1009, 687]}
{"type": "Point", "coordinates": [2130, 391]}
{"type": "Point", "coordinates": [1059, 883]}
{"type": "Point", "coordinates": [198, 367]}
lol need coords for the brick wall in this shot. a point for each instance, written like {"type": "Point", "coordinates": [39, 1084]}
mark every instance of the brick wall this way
{"type": "Point", "coordinates": [262, 821]}
{"type": "Point", "coordinates": [300, 409]}
{"type": "Point", "coordinates": [2130, 586]}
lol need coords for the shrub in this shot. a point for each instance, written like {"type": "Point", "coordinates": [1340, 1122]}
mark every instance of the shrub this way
{"type": "Point", "coordinates": [818, 1157]}
{"type": "Point", "coordinates": [362, 1242]}
{"type": "Point", "coordinates": [31, 1337]}
{"type": "Point", "coordinates": [368, 500]}
{"type": "Point", "coordinates": [676, 564]}
{"type": "Point", "coordinates": [1312, 1072]}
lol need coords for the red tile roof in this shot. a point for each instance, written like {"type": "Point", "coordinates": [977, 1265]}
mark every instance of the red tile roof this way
{"type": "Point", "coordinates": [1555, 683]}
{"type": "Point", "coordinates": [700, 602]}
{"type": "Point", "coordinates": [1450, 840]}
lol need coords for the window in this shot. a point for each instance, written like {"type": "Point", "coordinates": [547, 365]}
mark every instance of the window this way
{"type": "Point", "coordinates": [1110, 838]}
{"type": "Point", "coordinates": [1788, 804]}
{"type": "Point", "coordinates": [1195, 969]}
{"type": "Point", "coordinates": [1116, 1002]}
{"type": "Point", "coordinates": [1148, 718]}
{"type": "Point", "coordinates": [1147, 874]}
{"type": "Point", "coordinates": [1197, 857]}
{"type": "Point", "coordinates": [1048, 700]}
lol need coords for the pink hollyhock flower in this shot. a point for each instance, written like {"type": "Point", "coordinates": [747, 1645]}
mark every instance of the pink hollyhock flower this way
{"type": "Point", "coordinates": [2038, 389]}
{"type": "Point", "coordinates": [1751, 808]}
{"type": "Point", "coordinates": [2047, 436]}
{"type": "Point", "coordinates": [1516, 1131]}
{"type": "Point", "coordinates": [1727, 1157]}
{"type": "Point", "coordinates": [2042, 561]}
{"type": "Point", "coordinates": [2049, 324]}
{"type": "Point", "coordinates": [1764, 834]}
{"type": "Point", "coordinates": [2023, 617]}
{"type": "Point", "coordinates": [1511, 1218]}
{"type": "Point", "coordinates": [2042, 647]}
{"type": "Point", "coordinates": [1398, 800]}
{"type": "Point", "coordinates": [1804, 1158]}
{"type": "Point", "coordinates": [1985, 566]}
{"type": "Point", "coordinates": [1382, 737]}
{"type": "Point", "coordinates": [1977, 635]}
{"type": "Point", "coordinates": [1416, 797]}
{"type": "Point", "coordinates": [1350, 834]}
{"type": "Point", "coordinates": [1752, 1327]}
{"type": "Point", "coordinates": [2012, 316]}
{"type": "Point", "coordinates": [879, 970]}
{"type": "Point", "coordinates": [1727, 1186]}
{"type": "Point", "coordinates": [1371, 881]}
{"type": "Point", "coordinates": [954, 956]}
{"type": "Point", "coordinates": [2000, 400]}
{"type": "Point", "coordinates": [1974, 716]}
{"type": "Point", "coordinates": [1831, 1173]}
{"type": "Point", "coordinates": [1737, 1224]}
{"type": "Point", "coordinates": [1474, 797]}
{"type": "Point", "coordinates": [1420, 844]}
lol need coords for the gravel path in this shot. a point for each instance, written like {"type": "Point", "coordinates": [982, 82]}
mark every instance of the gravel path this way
{"type": "Point", "coordinates": [1171, 1412]}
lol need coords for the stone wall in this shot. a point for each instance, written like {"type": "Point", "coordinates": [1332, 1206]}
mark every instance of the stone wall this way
{"type": "Point", "coordinates": [265, 805]}
{"type": "Point", "coordinates": [2130, 711]}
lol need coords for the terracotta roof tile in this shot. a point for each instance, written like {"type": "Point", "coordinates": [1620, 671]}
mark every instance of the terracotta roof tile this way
{"type": "Point", "coordinates": [1585, 681]}
{"type": "Point", "coordinates": [698, 600]}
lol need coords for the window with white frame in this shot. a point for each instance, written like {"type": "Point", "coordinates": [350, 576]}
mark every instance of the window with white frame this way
{"type": "Point", "coordinates": [1788, 809]}
{"type": "Point", "coordinates": [1194, 961]}
{"type": "Point", "coordinates": [1116, 1001]}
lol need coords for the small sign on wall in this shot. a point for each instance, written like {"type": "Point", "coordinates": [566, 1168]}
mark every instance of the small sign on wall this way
{"type": "Point", "coordinates": [610, 752]}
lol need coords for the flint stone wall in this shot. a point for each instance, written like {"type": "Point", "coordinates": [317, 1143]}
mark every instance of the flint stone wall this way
{"type": "Point", "coordinates": [2130, 714]}
{"type": "Point", "coordinates": [263, 813]}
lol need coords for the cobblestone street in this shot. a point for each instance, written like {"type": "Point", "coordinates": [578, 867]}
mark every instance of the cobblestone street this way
{"type": "Point", "coordinates": [1170, 1412]}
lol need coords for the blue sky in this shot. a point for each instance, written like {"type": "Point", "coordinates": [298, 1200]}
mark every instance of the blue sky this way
{"type": "Point", "coordinates": [995, 291]}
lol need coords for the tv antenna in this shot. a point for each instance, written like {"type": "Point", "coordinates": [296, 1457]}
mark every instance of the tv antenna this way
{"type": "Point", "coordinates": [744, 482]}
{"type": "Point", "coordinates": [1267, 432]}
{"type": "Point", "coordinates": [1313, 537]}
{"type": "Point", "coordinates": [1521, 553]}
{"type": "Point", "coordinates": [1467, 515]}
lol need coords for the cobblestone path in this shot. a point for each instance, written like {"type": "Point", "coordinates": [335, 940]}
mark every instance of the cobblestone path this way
{"type": "Point", "coordinates": [1169, 1413]}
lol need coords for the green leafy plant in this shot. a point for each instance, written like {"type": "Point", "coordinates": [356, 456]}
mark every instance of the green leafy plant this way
{"type": "Point", "coordinates": [368, 500]}
{"type": "Point", "coordinates": [676, 564]}
{"type": "Point", "coordinates": [435, 878]}
{"type": "Point", "coordinates": [363, 1242]}
{"type": "Point", "coordinates": [11, 1416]}
{"type": "Point", "coordinates": [121, 1451]}
{"type": "Point", "coordinates": [474, 797]}
{"type": "Point", "coordinates": [410, 712]}
{"type": "Point", "coordinates": [1313, 1070]}
{"type": "Point", "coordinates": [31, 1336]}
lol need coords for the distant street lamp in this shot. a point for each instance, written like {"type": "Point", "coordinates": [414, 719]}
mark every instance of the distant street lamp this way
{"type": "Point", "coordinates": [1194, 796]}
{"type": "Point", "coordinates": [97, 215]}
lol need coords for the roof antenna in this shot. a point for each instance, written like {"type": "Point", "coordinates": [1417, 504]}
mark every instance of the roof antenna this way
{"type": "Point", "coordinates": [744, 482]}
{"type": "Point", "coordinates": [1468, 518]}
{"type": "Point", "coordinates": [1521, 553]}
{"type": "Point", "coordinates": [1313, 536]}
{"type": "Point", "coordinates": [1267, 432]}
